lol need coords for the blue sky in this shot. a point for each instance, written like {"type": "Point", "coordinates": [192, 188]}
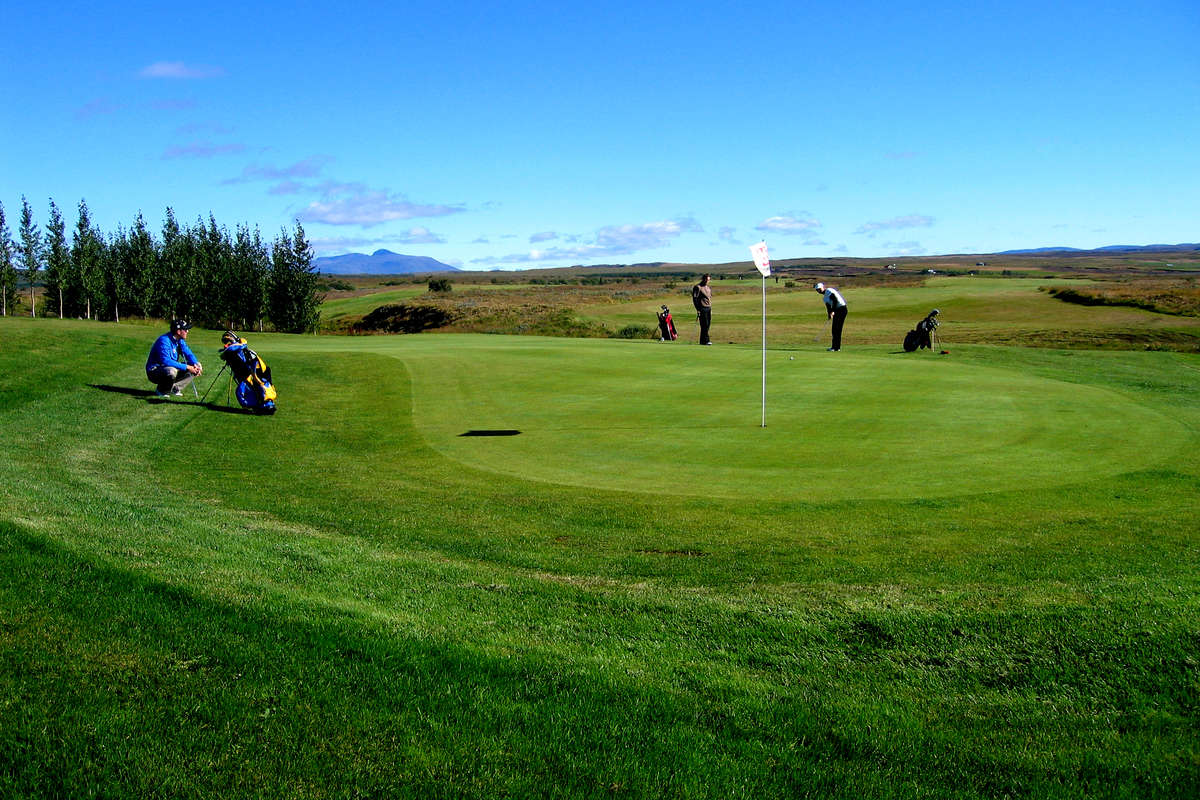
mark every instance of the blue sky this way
{"type": "Point", "coordinates": [502, 136]}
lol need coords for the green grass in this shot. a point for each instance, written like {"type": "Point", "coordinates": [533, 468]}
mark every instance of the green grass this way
{"type": "Point", "coordinates": [358, 304]}
{"type": "Point", "coordinates": [975, 309]}
{"type": "Point", "coordinates": [973, 575]}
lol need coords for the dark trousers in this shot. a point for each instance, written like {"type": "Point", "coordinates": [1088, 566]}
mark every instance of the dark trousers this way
{"type": "Point", "coordinates": [705, 317]}
{"type": "Point", "coordinates": [839, 319]}
{"type": "Point", "coordinates": [169, 379]}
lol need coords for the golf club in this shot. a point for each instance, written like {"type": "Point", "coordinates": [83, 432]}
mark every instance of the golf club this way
{"type": "Point", "coordinates": [214, 383]}
{"type": "Point", "coordinates": [821, 333]}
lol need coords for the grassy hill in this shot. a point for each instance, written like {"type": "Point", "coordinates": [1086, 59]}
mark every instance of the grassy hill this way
{"type": "Point", "coordinates": [972, 575]}
{"type": "Point", "coordinates": [1106, 311]}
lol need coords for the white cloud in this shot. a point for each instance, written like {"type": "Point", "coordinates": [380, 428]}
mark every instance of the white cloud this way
{"type": "Point", "coordinates": [178, 70]}
{"type": "Point", "coordinates": [339, 245]}
{"type": "Point", "coordinates": [625, 239]}
{"type": "Point", "coordinates": [420, 236]}
{"type": "Point", "coordinates": [904, 248]}
{"type": "Point", "coordinates": [356, 204]}
{"type": "Point", "coordinates": [896, 223]}
{"type": "Point", "coordinates": [544, 236]}
{"type": "Point", "coordinates": [307, 168]}
{"type": "Point", "coordinates": [287, 187]}
{"type": "Point", "coordinates": [790, 224]}
{"type": "Point", "coordinates": [611, 240]}
{"type": "Point", "coordinates": [203, 150]}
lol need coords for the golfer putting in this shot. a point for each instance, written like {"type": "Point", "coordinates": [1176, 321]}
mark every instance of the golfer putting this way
{"type": "Point", "coordinates": [171, 364]}
{"type": "Point", "coordinates": [835, 305]}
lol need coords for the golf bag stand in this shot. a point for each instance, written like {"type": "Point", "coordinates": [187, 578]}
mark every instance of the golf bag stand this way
{"type": "Point", "coordinates": [924, 334]}
{"type": "Point", "coordinates": [214, 383]}
{"type": "Point", "coordinates": [666, 326]}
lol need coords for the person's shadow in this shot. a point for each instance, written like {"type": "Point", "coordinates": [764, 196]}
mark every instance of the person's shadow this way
{"type": "Point", "coordinates": [150, 396]}
{"type": "Point", "coordinates": [104, 387]}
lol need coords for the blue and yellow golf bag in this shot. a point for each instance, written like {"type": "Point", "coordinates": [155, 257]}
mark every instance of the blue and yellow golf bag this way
{"type": "Point", "coordinates": [255, 390]}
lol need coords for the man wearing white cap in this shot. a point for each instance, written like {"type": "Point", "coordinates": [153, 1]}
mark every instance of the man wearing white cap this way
{"type": "Point", "coordinates": [835, 304]}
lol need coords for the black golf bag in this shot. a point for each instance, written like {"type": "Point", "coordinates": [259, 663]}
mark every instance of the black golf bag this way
{"type": "Point", "coordinates": [922, 335]}
{"type": "Point", "coordinates": [255, 390]}
{"type": "Point", "coordinates": [666, 326]}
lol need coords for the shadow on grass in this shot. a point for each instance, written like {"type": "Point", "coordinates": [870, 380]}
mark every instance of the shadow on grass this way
{"type": "Point", "coordinates": [150, 396]}
{"type": "Point", "coordinates": [129, 390]}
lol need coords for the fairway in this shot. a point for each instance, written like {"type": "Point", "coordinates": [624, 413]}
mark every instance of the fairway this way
{"type": "Point", "coordinates": [970, 575]}
{"type": "Point", "coordinates": [680, 419]}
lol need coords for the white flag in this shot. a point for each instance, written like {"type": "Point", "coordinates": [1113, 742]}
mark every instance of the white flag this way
{"type": "Point", "coordinates": [759, 251]}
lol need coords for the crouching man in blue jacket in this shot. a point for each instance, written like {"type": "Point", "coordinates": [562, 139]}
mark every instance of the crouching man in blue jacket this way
{"type": "Point", "coordinates": [172, 365]}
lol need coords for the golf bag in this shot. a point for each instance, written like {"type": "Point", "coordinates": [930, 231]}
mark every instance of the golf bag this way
{"type": "Point", "coordinates": [923, 334]}
{"type": "Point", "coordinates": [255, 390]}
{"type": "Point", "coordinates": [666, 326]}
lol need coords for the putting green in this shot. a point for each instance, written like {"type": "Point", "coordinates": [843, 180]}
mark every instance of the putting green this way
{"type": "Point", "coordinates": [681, 419]}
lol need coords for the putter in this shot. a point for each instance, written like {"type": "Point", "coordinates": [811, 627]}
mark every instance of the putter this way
{"type": "Point", "coordinates": [821, 333]}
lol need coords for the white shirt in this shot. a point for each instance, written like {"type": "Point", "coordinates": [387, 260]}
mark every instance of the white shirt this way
{"type": "Point", "coordinates": [833, 299]}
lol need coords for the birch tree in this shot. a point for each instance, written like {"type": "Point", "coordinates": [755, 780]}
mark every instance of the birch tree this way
{"type": "Point", "coordinates": [30, 250]}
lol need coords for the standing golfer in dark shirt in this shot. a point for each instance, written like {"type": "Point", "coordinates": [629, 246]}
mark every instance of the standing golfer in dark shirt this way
{"type": "Point", "coordinates": [702, 300]}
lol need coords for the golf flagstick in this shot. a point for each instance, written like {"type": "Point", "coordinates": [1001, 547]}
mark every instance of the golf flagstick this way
{"type": "Point", "coordinates": [763, 263]}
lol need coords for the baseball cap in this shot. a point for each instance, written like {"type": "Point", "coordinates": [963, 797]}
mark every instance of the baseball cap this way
{"type": "Point", "coordinates": [820, 287]}
{"type": "Point", "coordinates": [180, 325]}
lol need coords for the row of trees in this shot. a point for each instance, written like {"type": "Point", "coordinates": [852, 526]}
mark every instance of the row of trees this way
{"type": "Point", "coordinates": [201, 272]}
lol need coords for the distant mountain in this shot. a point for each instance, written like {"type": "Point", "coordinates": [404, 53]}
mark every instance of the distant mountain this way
{"type": "Point", "coordinates": [1115, 248]}
{"type": "Point", "coordinates": [381, 262]}
{"type": "Point", "coordinates": [1157, 248]}
{"type": "Point", "coordinates": [1039, 250]}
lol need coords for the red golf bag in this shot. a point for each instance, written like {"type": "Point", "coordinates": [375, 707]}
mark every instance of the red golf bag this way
{"type": "Point", "coordinates": [666, 326]}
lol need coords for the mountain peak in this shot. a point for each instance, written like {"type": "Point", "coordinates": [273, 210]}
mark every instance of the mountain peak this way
{"type": "Point", "coordinates": [381, 262]}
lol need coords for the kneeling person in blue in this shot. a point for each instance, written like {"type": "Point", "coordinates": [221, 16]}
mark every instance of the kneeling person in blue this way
{"type": "Point", "coordinates": [171, 364]}
{"type": "Point", "coordinates": [255, 391]}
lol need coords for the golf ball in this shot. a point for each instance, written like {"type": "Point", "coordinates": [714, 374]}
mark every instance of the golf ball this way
{"type": "Point", "coordinates": [791, 358]}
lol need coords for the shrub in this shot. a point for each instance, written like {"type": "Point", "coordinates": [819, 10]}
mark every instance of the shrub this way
{"type": "Point", "coordinates": [440, 285]}
{"type": "Point", "coordinates": [636, 332]}
{"type": "Point", "coordinates": [404, 318]}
